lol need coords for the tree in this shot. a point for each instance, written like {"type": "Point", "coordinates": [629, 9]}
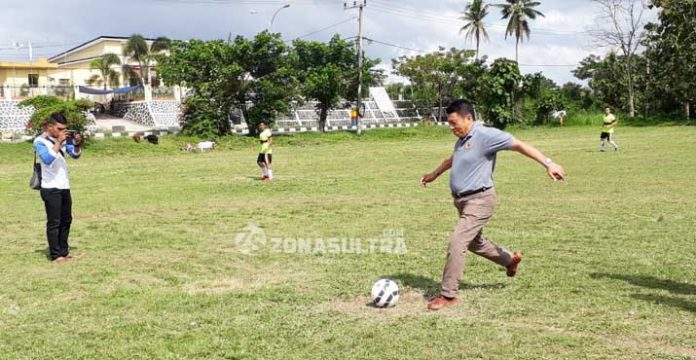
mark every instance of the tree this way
{"type": "Point", "coordinates": [269, 82]}
{"type": "Point", "coordinates": [605, 77]}
{"type": "Point", "coordinates": [671, 52]}
{"type": "Point", "coordinates": [435, 76]}
{"type": "Point", "coordinates": [210, 69]}
{"type": "Point", "coordinates": [398, 91]}
{"type": "Point", "coordinates": [138, 49]}
{"type": "Point", "coordinates": [475, 28]}
{"type": "Point", "coordinates": [518, 13]}
{"type": "Point", "coordinates": [501, 84]}
{"type": "Point", "coordinates": [252, 75]}
{"type": "Point", "coordinates": [621, 27]}
{"type": "Point", "coordinates": [105, 64]}
{"type": "Point", "coordinates": [325, 72]}
{"type": "Point", "coordinates": [73, 110]}
{"type": "Point", "coordinates": [577, 95]}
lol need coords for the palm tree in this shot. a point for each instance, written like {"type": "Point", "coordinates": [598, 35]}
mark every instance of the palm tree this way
{"type": "Point", "coordinates": [138, 49]}
{"type": "Point", "coordinates": [104, 65]}
{"type": "Point", "coordinates": [474, 26]}
{"type": "Point", "coordinates": [519, 11]}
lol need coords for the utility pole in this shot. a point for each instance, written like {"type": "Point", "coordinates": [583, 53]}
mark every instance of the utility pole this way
{"type": "Point", "coordinates": [360, 5]}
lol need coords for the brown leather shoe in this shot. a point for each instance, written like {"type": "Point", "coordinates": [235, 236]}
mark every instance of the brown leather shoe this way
{"type": "Point", "coordinates": [60, 259]}
{"type": "Point", "coordinates": [440, 302]}
{"type": "Point", "coordinates": [512, 267]}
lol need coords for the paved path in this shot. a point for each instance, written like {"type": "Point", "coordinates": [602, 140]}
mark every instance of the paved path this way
{"type": "Point", "coordinates": [106, 122]}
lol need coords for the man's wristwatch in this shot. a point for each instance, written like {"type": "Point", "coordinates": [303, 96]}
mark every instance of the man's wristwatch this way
{"type": "Point", "coordinates": [548, 162]}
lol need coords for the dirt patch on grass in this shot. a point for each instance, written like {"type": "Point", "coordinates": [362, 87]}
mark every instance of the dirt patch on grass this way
{"type": "Point", "coordinates": [411, 304]}
{"type": "Point", "coordinates": [223, 285]}
{"type": "Point", "coordinates": [246, 277]}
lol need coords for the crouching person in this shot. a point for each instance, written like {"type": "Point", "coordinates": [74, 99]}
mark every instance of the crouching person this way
{"type": "Point", "coordinates": [52, 147]}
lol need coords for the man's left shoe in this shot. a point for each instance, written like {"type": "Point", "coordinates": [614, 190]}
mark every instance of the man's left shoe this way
{"type": "Point", "coordinates": [512, 267]}
{"type": "Point", "coordinates": [440, 302]}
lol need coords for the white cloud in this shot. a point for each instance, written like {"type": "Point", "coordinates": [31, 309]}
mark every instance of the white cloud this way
{"type": "Point", "coordinates": [53, 25]}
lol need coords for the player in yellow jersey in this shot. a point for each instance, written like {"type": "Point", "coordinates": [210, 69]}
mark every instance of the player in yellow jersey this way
{"type": "Point", "coordinates": [265, 158]}
{"type": "Point", "coordinates": [608, 130]}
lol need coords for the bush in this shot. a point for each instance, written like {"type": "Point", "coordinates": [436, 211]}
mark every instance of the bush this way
{"type": "Point", "coordinates": [73, 110]}
{"type": "Point", "coordinates": [204, 118]}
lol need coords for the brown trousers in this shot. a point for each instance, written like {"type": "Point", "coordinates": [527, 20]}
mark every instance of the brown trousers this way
{"type": "Point", "coordinates": [474, 212]}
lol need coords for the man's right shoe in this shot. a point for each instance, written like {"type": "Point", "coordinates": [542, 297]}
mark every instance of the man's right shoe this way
{"type": "Point", "coordinates": [512, 267]}
{"type": "Point", "coordinates": [440, 302]}
{"type": "Point", "coordinates": [60, 259]}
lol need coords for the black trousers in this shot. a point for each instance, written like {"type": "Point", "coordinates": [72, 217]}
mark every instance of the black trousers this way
{"type": "Point", "coordinates": [58, 205]}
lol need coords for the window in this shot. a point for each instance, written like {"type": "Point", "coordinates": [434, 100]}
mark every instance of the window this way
{"type": "Point", "coordinates": [33, 80]}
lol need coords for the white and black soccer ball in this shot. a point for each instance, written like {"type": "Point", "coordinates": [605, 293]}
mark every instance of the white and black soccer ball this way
{"type": "Point", "coordinates": [385, 293]}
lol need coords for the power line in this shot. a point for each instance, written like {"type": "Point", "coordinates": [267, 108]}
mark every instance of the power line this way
{"type": "Point", "coordinates": [326, 28]}
{"type": "Point", "coordinates": [369, 41]}
{"type": "Point", "coordinates": [424, 51]}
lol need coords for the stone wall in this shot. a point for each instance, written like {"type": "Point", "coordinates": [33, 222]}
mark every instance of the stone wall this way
{"type": "Point", "coordinates": [158, 114]}
{"type": "Point", "coordinates": [12, 118]}
{"type": "Point", "coordinates": [166, 113]}
{"type": "Point", "coordinates": [137, 112]}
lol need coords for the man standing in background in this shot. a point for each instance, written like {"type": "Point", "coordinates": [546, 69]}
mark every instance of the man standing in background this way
{"type": "Point", "coordinates": [51, 147]}
{"type": "Point", "coordinates": [265, 158]}
{"type": "Point", "coordinates": [608, 130]}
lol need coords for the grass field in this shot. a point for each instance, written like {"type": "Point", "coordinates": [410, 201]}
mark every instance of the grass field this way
{"type": "Point", "coordinates": [608, 271]}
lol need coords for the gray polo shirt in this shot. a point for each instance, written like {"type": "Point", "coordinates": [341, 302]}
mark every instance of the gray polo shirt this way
{"type": "Point", "coordinates": [473, 160]}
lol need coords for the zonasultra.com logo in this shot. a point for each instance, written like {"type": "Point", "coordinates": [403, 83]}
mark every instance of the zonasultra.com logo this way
{"type": "Point", "coordinates": [253, 239]}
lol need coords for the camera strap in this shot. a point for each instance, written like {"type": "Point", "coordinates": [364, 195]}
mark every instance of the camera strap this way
{"type": "Point", "coordinates": [53, 142]}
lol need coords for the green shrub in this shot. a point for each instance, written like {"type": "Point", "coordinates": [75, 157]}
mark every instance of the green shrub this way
{"type": "Point", "coordinates": [73, 110]}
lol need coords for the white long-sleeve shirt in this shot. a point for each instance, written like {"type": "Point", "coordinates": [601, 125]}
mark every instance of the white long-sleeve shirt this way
{"type": "Point", "coordinates": [54, 168]}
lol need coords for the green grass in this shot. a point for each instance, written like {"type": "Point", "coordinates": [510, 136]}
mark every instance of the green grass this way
{"type": "Point", "coordinates": [595, 118]}
{"type": "Point", "coordinates": [608, 270]}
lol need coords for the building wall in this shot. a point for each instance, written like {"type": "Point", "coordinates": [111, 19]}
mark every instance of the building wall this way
{"type": "Point", "coordinates": [18, 77]}
{"type": "Point", "coordinates": [78, 74]}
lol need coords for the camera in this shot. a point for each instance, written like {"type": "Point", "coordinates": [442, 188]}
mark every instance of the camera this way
{"type": "Point", "coordinates": [71, 136]}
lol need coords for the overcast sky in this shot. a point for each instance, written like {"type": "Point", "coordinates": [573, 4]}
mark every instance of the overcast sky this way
{"type": "Point", "coordinates": [558, 41]}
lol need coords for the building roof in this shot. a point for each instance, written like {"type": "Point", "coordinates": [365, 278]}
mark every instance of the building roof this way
{"type": "Point", "coordinates": [89, 43]}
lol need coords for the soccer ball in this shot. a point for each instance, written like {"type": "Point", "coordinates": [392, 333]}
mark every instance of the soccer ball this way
{"type": "Point", "coordinates": [385, 293]}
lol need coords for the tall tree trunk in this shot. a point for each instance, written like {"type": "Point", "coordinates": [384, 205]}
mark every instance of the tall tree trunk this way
{"type": "Point", "coordinates": [439, 106]}
{"type": "Point", "coordinates": [631, 90]}
{"type": "Point", "coordinates": [323, 114]}
{"type": "Point", "coordinates": [687, 110]}
{"type": "Point", "coordinates": [517, 51]}
{"type": "Point", "coordinates": [478, 43]}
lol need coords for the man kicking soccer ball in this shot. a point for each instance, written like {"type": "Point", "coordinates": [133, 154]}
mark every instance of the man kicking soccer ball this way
{"type": "Point", "coordinates": [265, 158]}
{"type": "Point", "coordinates": [608, 130]}
{"type": "Point", "coordinates": [471, 182]}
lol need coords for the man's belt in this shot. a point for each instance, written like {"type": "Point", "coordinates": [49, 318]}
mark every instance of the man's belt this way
{"type": "Point", "coordinates": [472, 192]}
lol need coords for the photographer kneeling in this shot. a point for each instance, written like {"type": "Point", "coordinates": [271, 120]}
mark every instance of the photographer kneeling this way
{"type": "Point", "coordinates": [52, 146]}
